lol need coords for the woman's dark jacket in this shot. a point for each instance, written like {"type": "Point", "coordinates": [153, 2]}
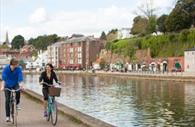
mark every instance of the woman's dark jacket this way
{"type": "Point", "coordinates": [43, 77]}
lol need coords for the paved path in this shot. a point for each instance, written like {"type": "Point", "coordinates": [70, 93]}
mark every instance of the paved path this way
{"type": "Point", "coordinates": [31, 115]}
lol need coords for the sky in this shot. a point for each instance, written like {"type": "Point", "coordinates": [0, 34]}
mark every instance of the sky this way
{"type": "Point", "coordinates": [32, 18]}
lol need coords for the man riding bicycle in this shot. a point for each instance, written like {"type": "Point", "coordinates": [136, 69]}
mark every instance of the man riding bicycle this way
{"type": "Point", "coordinates": [47, 76]}
{"type": "Point", "coordinates": [12, 79]}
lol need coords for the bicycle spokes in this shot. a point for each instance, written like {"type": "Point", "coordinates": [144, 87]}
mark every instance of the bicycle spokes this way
{"type": "Point", "coordinates": [52, 110]}
{"type": "Point", "coordinates": [54, 115]}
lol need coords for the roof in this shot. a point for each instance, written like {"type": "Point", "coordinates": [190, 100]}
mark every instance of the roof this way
{"type": "Point", "coordinates": [75, 40]}
{"type": "Point", "coordinates": [192, 49]}
{"type": "Point", "coordinates": [80, 39]}
{"type": "Point", "coordinates": [58, 43]}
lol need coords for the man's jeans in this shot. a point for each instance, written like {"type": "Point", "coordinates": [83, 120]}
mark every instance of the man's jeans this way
{"type": "Point", "coordinates": [7, 100]}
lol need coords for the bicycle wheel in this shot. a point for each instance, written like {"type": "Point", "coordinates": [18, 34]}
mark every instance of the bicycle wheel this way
{"type": "Point", "coordinates": [54, 113]}
{"type": "Point", "coordinates": [48, 113]}
{"type": "Point", "coordinates": [14, 114]}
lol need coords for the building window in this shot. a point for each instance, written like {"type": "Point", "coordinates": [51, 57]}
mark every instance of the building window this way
{"type": "Point", "coordinates": [71, 55]}
{"type": "Point", "coordinates": [79, 55]}
{"type": "Point", "coordinates": [79, 61]}
{"type": "Point", "coordinates": [71, 61]}
{"type": "Point", "coordinates": [79, 49]}
{"type": "Point", "coordinates": [71, 49]}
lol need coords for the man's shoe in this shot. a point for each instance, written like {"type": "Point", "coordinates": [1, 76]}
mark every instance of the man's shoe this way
{"type": "Point", "coordinates": [45, 114]}
{"type": "Point", "coordinates": [18, 107]}
{"type": "Point", "coordinates": [7, 119]}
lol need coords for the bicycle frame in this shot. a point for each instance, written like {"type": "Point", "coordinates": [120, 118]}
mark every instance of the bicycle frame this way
{"type": "Point", "coordinates": [51, 108]}
{"type": "Point", "coordinates": [50, 103]}
{"type": "Point", "coordinates": [13, 109]}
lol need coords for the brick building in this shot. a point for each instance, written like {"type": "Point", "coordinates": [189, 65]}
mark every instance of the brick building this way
{"type": "Point", "coordinates": [9, 53]}
{"type": "Point", "coordinates": [79, 52]}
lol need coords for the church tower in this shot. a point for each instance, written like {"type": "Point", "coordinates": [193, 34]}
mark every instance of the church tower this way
{"type": "Point", "coordinates": [7, 39]}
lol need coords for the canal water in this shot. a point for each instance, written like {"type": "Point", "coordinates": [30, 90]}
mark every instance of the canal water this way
{"type": "Point", "coordinates": [126, 102]}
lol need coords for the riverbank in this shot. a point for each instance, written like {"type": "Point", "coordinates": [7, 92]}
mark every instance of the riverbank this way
{"type": "Point", "coordinates": [174, 76]}
{"type": "Point", "coordinates": [74, 115]}
{"type": "Point", "coordinates": [31, 104]}
{"type": "Point", "coordinates": [31, 114]}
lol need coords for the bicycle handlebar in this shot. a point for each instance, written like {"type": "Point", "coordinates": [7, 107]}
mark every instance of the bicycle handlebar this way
{"type": "Point", "coordinates": [45, 83]}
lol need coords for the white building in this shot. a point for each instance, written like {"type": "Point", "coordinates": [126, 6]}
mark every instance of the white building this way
{"type": "Point", "coordinates": [124, 33]}
{"type": "Point", "coordinates": [53, 53]}
{"type": "Point", "coordinates": [39, 62]}
{"type": "Point", "coordinates": [189, 60]}
{"type": "Point", "coordinates": [42, 59]}
{"type": "Point", "coordinates": [4, 60]}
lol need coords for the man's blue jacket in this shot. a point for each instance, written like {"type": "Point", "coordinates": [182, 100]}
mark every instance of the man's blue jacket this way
{"type": "Point", "coordinates": [12, 78]}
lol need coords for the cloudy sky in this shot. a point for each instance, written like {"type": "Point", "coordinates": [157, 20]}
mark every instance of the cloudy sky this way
{"type": "Point", "coordinates": [31, 18]}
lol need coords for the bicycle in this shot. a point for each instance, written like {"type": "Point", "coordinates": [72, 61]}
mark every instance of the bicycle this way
{"type": "Point", "coordinates": [13, 108]}
{"type": "Point", "coordinates": [52, 109]}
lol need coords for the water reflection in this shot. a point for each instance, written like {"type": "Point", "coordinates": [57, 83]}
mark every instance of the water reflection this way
{"type": "Point", "coordinates": [126, 102]}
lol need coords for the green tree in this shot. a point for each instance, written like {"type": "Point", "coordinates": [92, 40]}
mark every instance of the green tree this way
{"type": "Point", "coordinates": [103, 36]}
{"type": "Point", "coordinates": [112, 35]}
{"type": "Point", "coordinates": [139, 26]}
{"type": "Point", "coordinates": [4, 46]}
{"type": "Point", "coordinates": [17, 42]}
{"type": "Point", "coordinates": [41, 42]}
{"type": "Point", "coordinates": [22, 63]}
{"type": "Point", "coordinates": [182, 16]}
{"type": "Point", "coordinates": [102, 63]}
{"type": "Point", "coordinates": [161, 23]}
{"type": "Point", "coordinates": [151, 26]}
{"type": "Point", "coordinates": [148, 11]}
{"type": "Point", "coordinates": [188, 7]}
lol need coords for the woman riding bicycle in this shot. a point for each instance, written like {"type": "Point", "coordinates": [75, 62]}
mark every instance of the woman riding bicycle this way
{"type": "Point", "coordinates": [47, 76]}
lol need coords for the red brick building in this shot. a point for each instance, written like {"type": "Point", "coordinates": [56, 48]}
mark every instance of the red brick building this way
{"type": "Point", "coordinates": [79, 52]}
{"type": "Point", "coordinates": [9, 53]}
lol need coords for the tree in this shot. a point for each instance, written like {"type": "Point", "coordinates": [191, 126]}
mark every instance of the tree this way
{"type": "Point", "coordinates": [103, 36]}
{"type": "Point", "coordinates": [151, 26]}
{"type": "Point", "coordinates": [41, 42]}
{"type": "Point", "coordinates": [177, 21]}
{"type": "Point", "coordinates": [112, 35]}
{"type": "Point", "coordinates": [147, 11]}
{"type": "Point", "coordinates": [182, 16]}
{"type": "Point", "coordinates": [4, 46]}
{"type": "Point", "coordinates": [139, 26]}
{"type": "Point", "coordinates": [102, 63]}
{"type": "Point", "coordinates": [161, 23]}
{"type": "Point", "coordinates": [17, 42]}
